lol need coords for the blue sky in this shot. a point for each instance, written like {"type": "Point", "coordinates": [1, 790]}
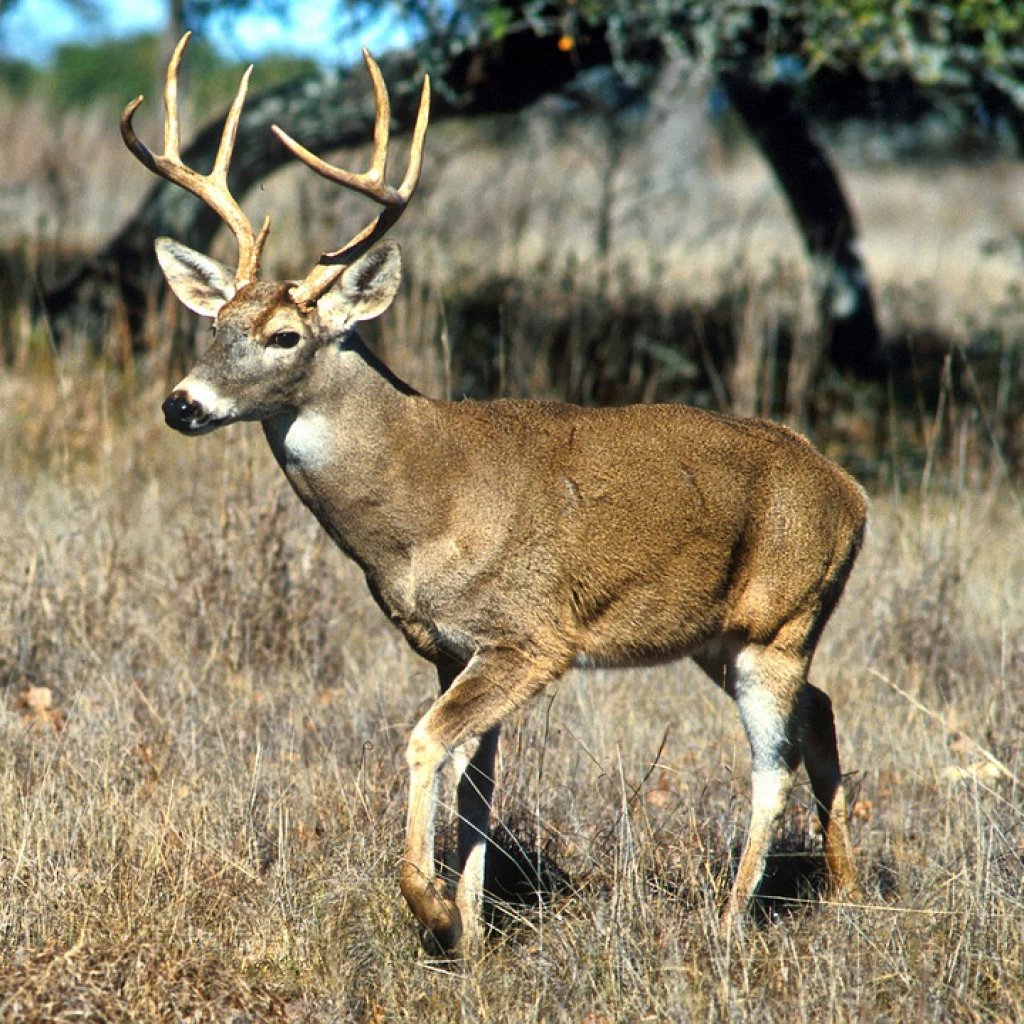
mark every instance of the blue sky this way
{"type": "Point", "coordinates": [35, 27]}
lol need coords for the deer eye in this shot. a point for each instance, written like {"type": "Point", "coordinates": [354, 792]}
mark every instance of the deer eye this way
{"type": "Point", "coordinates": [284, 339]}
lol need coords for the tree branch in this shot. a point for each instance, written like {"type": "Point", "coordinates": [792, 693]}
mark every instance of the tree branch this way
{"type": "Point", "coordinates": [823, 215]}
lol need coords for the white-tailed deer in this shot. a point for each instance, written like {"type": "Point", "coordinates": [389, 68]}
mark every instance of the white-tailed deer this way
{"type": "Point", "coordinates": [512, 540]}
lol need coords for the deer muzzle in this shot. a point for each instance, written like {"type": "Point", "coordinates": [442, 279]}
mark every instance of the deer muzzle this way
{"type": "Point", "coordinates": [181, 413]}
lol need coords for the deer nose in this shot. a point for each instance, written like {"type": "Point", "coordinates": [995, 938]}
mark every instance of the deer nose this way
{"type": "Point", "coordinates": [179, 410]}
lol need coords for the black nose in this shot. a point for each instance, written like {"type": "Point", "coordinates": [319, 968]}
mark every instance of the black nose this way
{"type": "Point", "coordinates": [179, 411]}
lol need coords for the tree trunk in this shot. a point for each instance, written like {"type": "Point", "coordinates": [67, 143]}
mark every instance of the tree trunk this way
{"type": "Point", "coordinates": [823, 215]}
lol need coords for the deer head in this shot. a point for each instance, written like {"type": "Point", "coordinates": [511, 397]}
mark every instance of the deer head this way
{"type": "Point", "coordinates": [266, 334]}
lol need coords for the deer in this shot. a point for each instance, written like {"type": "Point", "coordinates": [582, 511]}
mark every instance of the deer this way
{"type": "Point", "coordinates": [511, 540]}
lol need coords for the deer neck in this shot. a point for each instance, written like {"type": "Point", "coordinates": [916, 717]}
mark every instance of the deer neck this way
{"type": "Point", "coordinates": [345, 448]}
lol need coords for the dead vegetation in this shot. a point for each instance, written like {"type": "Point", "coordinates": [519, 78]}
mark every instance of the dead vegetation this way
{"type": "Point", "coordinates": [203, 716]}
{"type": "Point", "coordinates": [202, 792]}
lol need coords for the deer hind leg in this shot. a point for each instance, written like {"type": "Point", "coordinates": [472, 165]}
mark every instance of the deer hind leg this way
{"type": "Point", "coordinates": [821, 759]}
{"type": "Point", "coordinates": [493, 684]}
{"type": "Point", "coordinates": [474, 769]}
{"type": "Point", "coordinates": [766, 684]}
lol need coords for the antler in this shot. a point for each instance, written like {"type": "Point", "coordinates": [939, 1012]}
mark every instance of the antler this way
{"type": "Point", "coordinates": [370, 183]}
{"type": "Point", "coordinates": [212, 188]}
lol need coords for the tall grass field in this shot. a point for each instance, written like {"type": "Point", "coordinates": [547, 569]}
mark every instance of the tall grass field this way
{"type": "Point", "coordinates": [203, 714]}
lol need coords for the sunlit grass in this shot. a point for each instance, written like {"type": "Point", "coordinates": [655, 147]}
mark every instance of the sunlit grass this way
{"type": "Point", "coordinates": [207, 819]}
{"type": "Point", "coordinates": [203, 714]}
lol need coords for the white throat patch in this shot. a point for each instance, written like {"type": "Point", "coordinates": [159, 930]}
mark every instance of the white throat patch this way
{"type": "Point", "coordinates": [309, 441]}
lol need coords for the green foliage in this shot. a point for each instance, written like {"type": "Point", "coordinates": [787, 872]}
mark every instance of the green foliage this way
{"type": "Point", "coordinates": [934, 42]}
{"type": "Point", "coordinates": [115, 70]}
{"type": "Point", "coordinates": [931, 41]}
{"type": "Point", "coordinates": [498, 20]}
{"type": "Point", "coordinates": [948, 43]}
{"type": "Point", "coordinates": [18, 77]}
{"type": "Point", "coordinates": [80, 75]}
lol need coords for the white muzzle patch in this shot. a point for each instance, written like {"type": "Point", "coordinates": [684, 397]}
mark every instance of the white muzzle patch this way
{"type": "Point", "coordinates": [215, 407]}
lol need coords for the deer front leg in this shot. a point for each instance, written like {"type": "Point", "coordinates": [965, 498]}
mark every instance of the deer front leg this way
{"type": "Point", "coordinates": [474, 777]}
{"type": "Point", "coordinates": [493, 684]}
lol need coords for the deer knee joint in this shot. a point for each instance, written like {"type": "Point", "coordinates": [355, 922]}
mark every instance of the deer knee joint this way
{"type": "Point", "coordinates": [424, 751]}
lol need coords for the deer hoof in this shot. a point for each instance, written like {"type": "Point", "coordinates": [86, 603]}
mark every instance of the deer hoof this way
{"type": "Point", "coordinates": [435, 911]}
{"type": "Point", "coordinates": [443, 942]}
{"type": "Point", "coordinates": [441, 934]}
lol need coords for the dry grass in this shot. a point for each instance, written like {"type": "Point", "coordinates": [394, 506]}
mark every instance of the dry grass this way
{"type": "Point", "coordinates": [205, 821]}
{"type": "Point", "coordinates": [203, 714]}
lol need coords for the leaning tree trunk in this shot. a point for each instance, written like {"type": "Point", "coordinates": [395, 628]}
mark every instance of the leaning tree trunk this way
{"type": "Point", "coordinates": [823, 216]}
{"type": "Point", "coordinates": [327, 112]}
{"type": "Point", "coordinates": [334, 110]}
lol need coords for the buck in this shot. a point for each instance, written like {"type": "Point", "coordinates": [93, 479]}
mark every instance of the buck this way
{"type": "Point", "coordinates": [510, 541]}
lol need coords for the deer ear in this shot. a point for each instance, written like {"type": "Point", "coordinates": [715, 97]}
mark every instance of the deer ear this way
{"type": "Point", "coordinates": [202, 284]}
{"type": "Point", "coordinates": [366, 288]}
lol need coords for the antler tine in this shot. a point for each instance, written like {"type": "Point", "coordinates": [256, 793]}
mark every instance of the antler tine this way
{"type": "Point", "coordinates": [172, 130]}
{"type": "Point", "coordinates": [370, 183]}
{"type": "Point", "coordinates": [419, 138]}
{"type": "Point", "coordinates": [212, 188]}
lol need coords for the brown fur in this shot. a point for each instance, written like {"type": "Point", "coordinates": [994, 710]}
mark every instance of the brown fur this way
{"type": "Point", "coordinates": [511, 540]}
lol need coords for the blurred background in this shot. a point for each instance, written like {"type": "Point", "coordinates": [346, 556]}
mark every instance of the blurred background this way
{"type": "Point", "coordinates": [773, 208]}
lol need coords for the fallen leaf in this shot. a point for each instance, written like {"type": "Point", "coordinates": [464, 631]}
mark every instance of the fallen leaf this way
{"type": "Point", "coordinates": [862, 809]}
{"type": "Point", "coordinates": [980, 771]}
{"type": "Point", "coordinates": [37, 707]}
